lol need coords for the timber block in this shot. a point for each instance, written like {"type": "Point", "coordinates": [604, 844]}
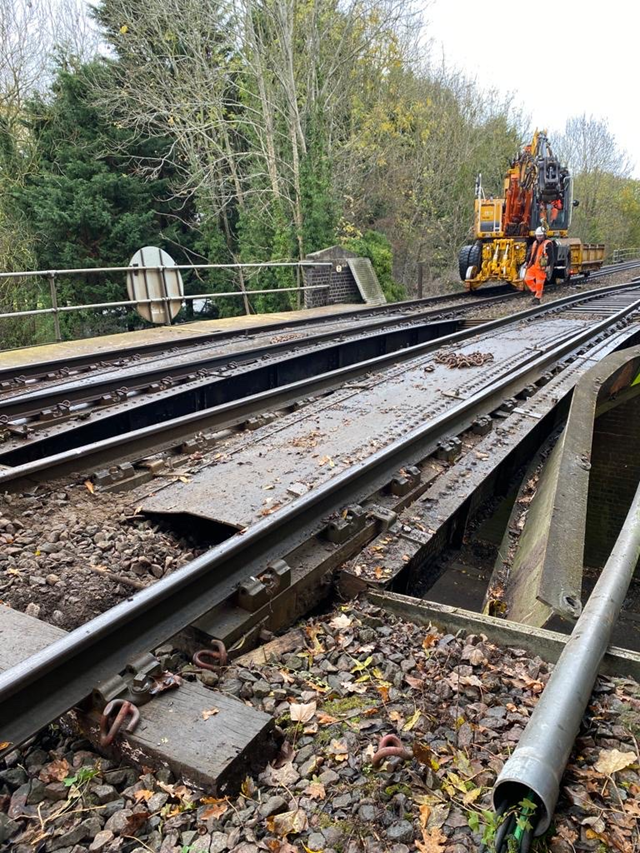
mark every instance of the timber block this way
{"type": "Point", "coordinates": [209, 740]}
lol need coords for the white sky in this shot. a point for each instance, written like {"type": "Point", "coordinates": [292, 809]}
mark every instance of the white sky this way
{"type": "Point", "coordinates": [558, 59]}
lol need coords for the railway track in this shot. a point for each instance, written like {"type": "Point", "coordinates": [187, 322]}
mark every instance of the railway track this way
{"type": "Point", "coordinates": [339, 471]}
{"type": "Point", "coordinates": [169, 419]}
{"type": "Point", "coordinates": [172, 359]}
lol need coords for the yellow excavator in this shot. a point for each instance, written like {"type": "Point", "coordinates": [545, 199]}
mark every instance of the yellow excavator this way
{"type": "Point", "coordinates": [537, 191]}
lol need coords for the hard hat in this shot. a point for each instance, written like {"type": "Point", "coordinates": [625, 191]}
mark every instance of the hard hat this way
{"type": "Point", "coordinates": [540, 231]}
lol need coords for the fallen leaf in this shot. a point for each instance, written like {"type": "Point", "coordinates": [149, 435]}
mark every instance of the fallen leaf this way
{"type": "Point", "coordinates": [423, 753]}
{"type": "Point", "coordinates": [433, 841]}
{"type": "Point", "coordinates": [248, 787]}
{"type": "Point", "coordinates": [429, 640]}
{"type": "Point", "coordinates": [341, 621]}
{"type": "Point", "coordinates": [611, 760]}
{"type": "Point", "coordinates": [288, 822]}
{"type": "Point", "coordinates": [316, 791]}
{"type": "Point", "coordinates": [302, 713]}
{"type": "Point", "coordinates": [90, 487]}
{"type": "Point", "coordinates": [135, 821]}
{"type": "Point", "coordinates": [215, 807]}
{"type": "Point", "coordinates": [326, 719]}
{"type": "Point", "coordinates": [143, 795]}
{"type": "Point", "coordinates": [211, 712]}
{"type": "Point", "coordinates": [425, 811]}
{"type": "Point", "coordinates": [413, 719]}
{"type": "Point", "coordinates": [416, 683]}
{"type": "Point", "coordinates": [471, 796]}
{"type": "Point", "coordinates": [56, 771]}
{"type": "Point", "coordinates": [286, 775]}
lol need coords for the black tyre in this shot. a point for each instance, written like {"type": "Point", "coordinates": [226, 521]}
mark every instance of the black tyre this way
{"type": "Point", "coordinates": [463, 261]}
{"type": "Point", "coordinates": [475, 255]}
{"type": "Point", "coordinates": [470, 256]}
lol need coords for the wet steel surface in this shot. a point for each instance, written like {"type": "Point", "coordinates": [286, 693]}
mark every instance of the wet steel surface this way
{"type": "Point", "coordinates": [258, 473]}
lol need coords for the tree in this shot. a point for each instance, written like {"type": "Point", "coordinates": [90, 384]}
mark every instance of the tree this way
{"type": "Point", "coordinates": [598, 167]}
{"type": "Point", "coordinates": [86, 209]}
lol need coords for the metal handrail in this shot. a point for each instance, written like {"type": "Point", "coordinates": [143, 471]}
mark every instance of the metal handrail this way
{"type": "Point", "coordinates": [620, 255]}
{"type": "Point", "coordinates": [57, 309]}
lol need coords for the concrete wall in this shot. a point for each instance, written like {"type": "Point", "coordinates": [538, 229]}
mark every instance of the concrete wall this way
{"type": "Point", "coordinates": [615, 472]}
{"type": "Point", "coordinates": [342, 285]}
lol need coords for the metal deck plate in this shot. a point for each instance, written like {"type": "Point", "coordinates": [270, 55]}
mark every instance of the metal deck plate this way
{"type": "Point", "coordinates": [258, 473]}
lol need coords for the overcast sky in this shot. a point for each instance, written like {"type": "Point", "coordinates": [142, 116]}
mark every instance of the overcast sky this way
{"type": "Point", "coordinates": [559, 60]}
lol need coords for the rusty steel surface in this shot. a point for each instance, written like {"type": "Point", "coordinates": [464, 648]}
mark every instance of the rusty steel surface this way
{"type": "Point", "coordinates": [272, 466]}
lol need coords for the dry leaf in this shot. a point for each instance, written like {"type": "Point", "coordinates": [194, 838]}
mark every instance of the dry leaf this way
{"type": "Point", "coordinates": [286, 676]}
{"type": "Point", "coordinates": [423, 753]}
{"type": "Point", "coordinates": [326, 719]}
{"type": "Point", "coordinates": [416, 683]}
{"type": "Point", "coordinates": [413, 719]}
{"type": "Point", "coordinates": [90, 487]}
{"type": "Point", "coordinates": [135, 821]}
{"type": "Point", "coordinates": [471, 796]}
{"type": "Point", "coordinates": [288, 822]}
{"type": "Point", "coordinates": [215, 808]}
{"type": "Point", "coordinates": [286, 775]}
{"type": "Point", "coordinates": [338, 749]}
{"type": "Point", "coordinates": [302, 713]}
{"type": "Point", "coordinates": [211, 712]}
{"type": "Point", "coordinates": [425, 811]}
{"type": "Point", "coordinates": [248, 787]}
{"type": "Point", "coordinates": [56, 771]}
{"type": "Point", "coordinates": [433, 841]}
{"type": "Point", "coordinates": [316, 791]}
{"type": "Point", "coordinates": [611, 760]}
{"type": "Point", "coordinates": [143, 795]}
{"type": "Point", "coordinates": [341, 621]}
{"type": "Point", "coordinates": [429, 640]}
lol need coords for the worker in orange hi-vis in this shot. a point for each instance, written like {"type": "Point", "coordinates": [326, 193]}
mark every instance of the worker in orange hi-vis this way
{"type": "Point", "coordinates": [537, 264]}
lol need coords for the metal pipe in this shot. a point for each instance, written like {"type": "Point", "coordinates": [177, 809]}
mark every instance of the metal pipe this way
{"type": "Point", "coordinates": [185, 298]}
{"type": "Point", "coordinates": [54, 306]}
{"type": "Point", "coordinates": [85, 270]}
{"type": "Point", "coordinates": [540, 758]}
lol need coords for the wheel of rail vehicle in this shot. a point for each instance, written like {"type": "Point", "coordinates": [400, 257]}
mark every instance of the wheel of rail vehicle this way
{"type": "Point", "coordinates": [470, 258]}
{"type": "Point", "coordinates": [475, 257]}
{"type": "Point", "coordinates": [463, 261]}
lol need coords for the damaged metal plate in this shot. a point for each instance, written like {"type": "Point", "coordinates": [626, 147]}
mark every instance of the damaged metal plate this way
{"type": "Point", "coordinates": [254, 474]}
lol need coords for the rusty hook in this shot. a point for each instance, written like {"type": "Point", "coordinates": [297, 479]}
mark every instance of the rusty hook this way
{"type": "Point", "coordinates": [125, 709]}
{"type": "Point", "coordinates": [211, 659]}
{"type": "Point", "coordinates": [390, 745]}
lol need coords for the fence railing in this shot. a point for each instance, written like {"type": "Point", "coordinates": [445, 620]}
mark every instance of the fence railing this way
{"type": "Point", "coordinates": [620, 255]}
{"type": "Point", "coordinates": [165, 298]}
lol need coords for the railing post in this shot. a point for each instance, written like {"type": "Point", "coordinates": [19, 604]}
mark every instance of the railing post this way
{"type": "Point", "coordinates": [420, 278]}
{"type": "Point", "coordinates": [54, 305]}
{"type": "Point", "coordinates": [298, 291]}
{"type": "Point", "coordinates": [165, 296]}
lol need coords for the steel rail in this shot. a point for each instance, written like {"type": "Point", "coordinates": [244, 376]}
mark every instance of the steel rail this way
{"type": "Point", "coordinates": [43, 456]}
{"type": "Point", "coordinates": [48, 683]}
{"type": "Point", "coordinates": [83, 360]}
{"type": "Point", "coordinates": [92, 388]}
{"type": "Point", "coordinates": [117, 355]}
{"type": "Point", "coordinates": [540, 758]}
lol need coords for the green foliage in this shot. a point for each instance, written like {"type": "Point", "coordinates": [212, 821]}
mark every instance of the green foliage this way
{"type": "Point", "coordinates": [82, 776]}
{"type": "Point", "coordinates": [376, 246]}
{"type": "Point", "coordinates": [86, 205]}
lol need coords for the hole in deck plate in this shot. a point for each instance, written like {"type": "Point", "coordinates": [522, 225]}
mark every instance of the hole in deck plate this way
{"type": "Point", "coordinates": [194, 530]}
